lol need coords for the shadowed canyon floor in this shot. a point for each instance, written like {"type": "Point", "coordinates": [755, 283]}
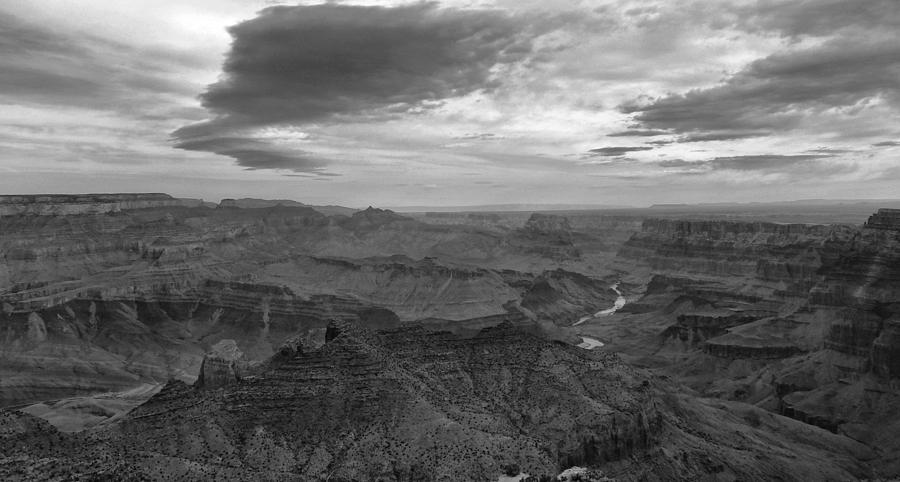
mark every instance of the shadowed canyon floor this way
{"type": "Point", "coordinates": [150, 337]}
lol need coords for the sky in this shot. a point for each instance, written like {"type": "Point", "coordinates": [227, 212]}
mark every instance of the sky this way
{"type": "Point", "coordinates": [454, 103]}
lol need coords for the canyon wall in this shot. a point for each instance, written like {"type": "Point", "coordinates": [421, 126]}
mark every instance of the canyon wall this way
{"type": "Point", "coordinates": [67, 205]}
{"type": "Point", "coordinates": [800, 319]}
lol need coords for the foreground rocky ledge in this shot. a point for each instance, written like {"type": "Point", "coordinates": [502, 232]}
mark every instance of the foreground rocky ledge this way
{"type": "Point", "coordinates": [410, 404]}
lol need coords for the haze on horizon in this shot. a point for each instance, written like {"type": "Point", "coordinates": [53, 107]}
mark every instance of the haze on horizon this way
{"type": "Point", "coordinates": [465, 102]}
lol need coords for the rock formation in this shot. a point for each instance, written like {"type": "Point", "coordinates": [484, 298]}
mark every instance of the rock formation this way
{"type": "Point", "coordinates": [885, 219]}
{"type": "Point", "coordinates": [411, 404]}
{"type": "Point", "coordinates": [225, 364]}
{"type": "Point", "coordinates": [799, 319]}
{"type": "Point", "coordinates": [63, 205]}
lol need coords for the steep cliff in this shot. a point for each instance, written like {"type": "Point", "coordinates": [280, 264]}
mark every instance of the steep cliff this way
{"type": "Point", "coordinates": [65, 205]}
{"type": "Point", "coordinates": [799, 319]}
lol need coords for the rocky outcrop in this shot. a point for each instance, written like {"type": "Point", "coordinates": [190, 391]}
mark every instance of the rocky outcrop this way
{"type": "Point", "coordinates": [888, 219]}
{"type": "Point", "coordinates": [411, 404]}
{"type": "Point", "coordinates": [225, 364]}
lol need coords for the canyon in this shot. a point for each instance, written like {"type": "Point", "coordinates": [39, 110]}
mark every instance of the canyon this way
{"type": "Point", "coordinates": [252, 339]}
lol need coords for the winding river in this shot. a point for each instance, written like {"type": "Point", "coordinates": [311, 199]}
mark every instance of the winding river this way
{"type": "Point", "coordinates": [589, 343]}
{"type": "Point", "coordinates": [620, 302]}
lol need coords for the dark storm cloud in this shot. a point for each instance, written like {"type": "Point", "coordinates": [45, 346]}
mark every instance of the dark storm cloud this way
{"type": "Point", "coordinates": [254, 155]}
{"type": "Point", "coordinates": [41, 66]}
{"type": "Point", "coordinates": [615, 151]}
{"type": "Point", "coordinates": [311, 63]}
{"type": "Point", "coordinates": [639, 133]}
{"type": "Point", "coordinates": [887, 144]}
{"type": "Point", "coordinates": [778, 92]}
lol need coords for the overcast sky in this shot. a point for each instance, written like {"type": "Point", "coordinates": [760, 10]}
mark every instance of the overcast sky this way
{"type": "Point", "coordinates": [453, 103]}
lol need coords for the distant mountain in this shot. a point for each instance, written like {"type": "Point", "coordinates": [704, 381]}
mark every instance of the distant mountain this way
{"type": "Point", "coordinates": [253, 203]}
{"type": "Point", "coordinates": [507, 208]}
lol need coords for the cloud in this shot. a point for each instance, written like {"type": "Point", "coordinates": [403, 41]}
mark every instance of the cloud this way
{"type": "Point", "coordinates": [42, 66]}
{"type": "Point", "coordinates": [253, 154]}
{"type": "Point", "coordinates": [721, 136]}
{"type": "Point", "coordinates": [830, 150]}
{"type": "Point", "coordinates": [616, 151]}
{"type": "Point", "coordinates": [758, 167]}
{"type": "Point", "coordinates": [794, 18]}
{"type": "Point", "coordinates": [678, 163]}
{"type": "Point", "coordinates": [778, 92]}
{"type": "Point", "coordinates": [303, 64]}
{"type": "Point", "coordinates": [765, 162]}
{"type": "Point", "coordinates": [487, 136]}
{"type": "Point", "coordinates": [639, 133]}
{"type": "Point", "coordinates": [887, 144]}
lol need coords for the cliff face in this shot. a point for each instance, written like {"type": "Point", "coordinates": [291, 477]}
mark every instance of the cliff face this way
{"type": "Point", "coordinates": [888, 219]}
{"type": "Point", "coordinates": [841, 282]}
{"type": "Point", "coordinates": [800, 319]}
{"type": "Point", "coordinates": [784, 254]}
{"type": "Point", "coordinates": [224, 365]}
{"type": "Point", "coordinates": [67, 205]}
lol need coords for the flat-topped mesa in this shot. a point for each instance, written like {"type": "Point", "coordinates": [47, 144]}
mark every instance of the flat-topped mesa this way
{"type": "Point", "coordinates": [252, 203]}
{"type": "Point", "coordinates": [885, 218]}
{"type": "Point", "coordinates": [74, 204]}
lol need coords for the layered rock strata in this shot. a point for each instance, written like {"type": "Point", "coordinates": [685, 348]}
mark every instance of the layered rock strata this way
{"type": "Point", "coordinates": [65, 205]}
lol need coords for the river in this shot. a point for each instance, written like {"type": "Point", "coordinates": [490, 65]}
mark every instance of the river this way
{"type": "Point", "coordinates": [620, 302]}
{"type": "Point", "coordinates": [589, 343]}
